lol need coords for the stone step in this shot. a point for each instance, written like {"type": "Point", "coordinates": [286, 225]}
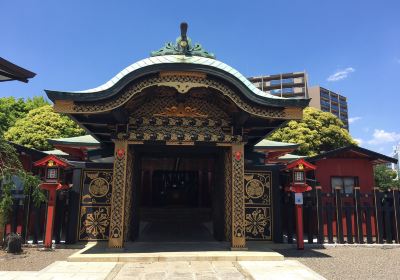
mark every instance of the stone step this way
{"type": "Point", "coordinates": [153, 252]}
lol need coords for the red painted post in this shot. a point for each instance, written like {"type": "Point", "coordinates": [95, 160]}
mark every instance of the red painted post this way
{"type": "Point", "coordinates": [299, 227]}
{"type": "Point", "coordinates": [51, 205]}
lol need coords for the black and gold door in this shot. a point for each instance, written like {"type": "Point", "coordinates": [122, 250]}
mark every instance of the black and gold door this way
{"type": "Point", "coordinates": [258, 205]}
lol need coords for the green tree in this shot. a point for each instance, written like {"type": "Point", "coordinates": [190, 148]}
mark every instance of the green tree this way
{"type": "Point", "coordinates": [385, 178]}
{"type": "Point", "coordinates": [318, 131]}
{"type": "Point", "coordinates": [12, 109]}
{"type": "Point", "coordinates": [35, 102]}
{"type": "Point", "coordinates": [11, 167]}
{"type": "Point", "coordinates": [39, 125]}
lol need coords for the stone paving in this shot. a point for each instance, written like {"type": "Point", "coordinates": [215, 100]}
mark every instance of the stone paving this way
{"type": "Point", "coordinates": [196, 270]}
{"type": "Point", "coordinates": [63, 270]}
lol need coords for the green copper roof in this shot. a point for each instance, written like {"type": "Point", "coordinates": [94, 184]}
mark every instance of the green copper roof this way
{"type": "Point", "coordinates": [274, 144]}
{"type": "Point", "coordinates": [181, 56]}
{"type": "Point", "coordinates": [180, 59]}
{"type": "Point", "coordinates": [85, 140]}
{"type": "Point", "coordinates": [290, 157]}
{"type": "Point", "coordinates": [56, 153]}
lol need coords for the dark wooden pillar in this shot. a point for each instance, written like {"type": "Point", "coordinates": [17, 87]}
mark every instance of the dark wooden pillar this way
{"type": "Point", "coordinates": [339, 215]}
{"type": "Point", "coordinates": [59, 217]}
{"type": "Point", "coordinates": [320, 217]}
{"type": "Point", "coordinates": [277, 201]}
{"type": "Point", "coordinates": [73, 207]}
{"type": "Point", "coordinates": [396, 208]}
{"type": "Point", "coordinates": [388, 218]}
{"type": "Point", "coordinates": [26, 217]}
{"type": "Point", "coordinates": [358, 215]}
{"type": "Point", "coordinates": [14, 218]}
{"type": "Point", "coordinates": [378, 216]}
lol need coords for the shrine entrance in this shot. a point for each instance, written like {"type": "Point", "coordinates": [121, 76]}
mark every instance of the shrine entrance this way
{"type": "Point", "coordinates": [179, 190]}
{"type": "Point", "coordinates": [180, 127]}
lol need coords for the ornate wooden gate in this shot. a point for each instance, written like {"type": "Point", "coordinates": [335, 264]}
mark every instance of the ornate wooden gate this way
{"type": "Point", "coordinates": [95, 204]}
{"type": "Point", "coordinates": [258, 205]}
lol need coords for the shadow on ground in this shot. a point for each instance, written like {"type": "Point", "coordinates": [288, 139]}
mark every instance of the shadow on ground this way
{"type": "Point", "coordinates": [306, 253]}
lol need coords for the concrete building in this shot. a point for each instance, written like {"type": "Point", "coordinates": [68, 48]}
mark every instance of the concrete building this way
{"type": "Point", "coordinates": [329, 101]}
{"type": "Point", "coordinates": [289, 85]}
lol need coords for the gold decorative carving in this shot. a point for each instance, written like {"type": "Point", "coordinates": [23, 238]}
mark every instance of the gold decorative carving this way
{"type": "Point", "coordinates": [294, 113]}
{"type": "Point", "coordinates": [96, 223]}
{"type": "Point", "coordinates": [98, 187]}
{"type": "Point", "coordinates": [183, 73]}
{"type": "Point", "coordinates": [254, 188]}
{"type": "Point", "coordinates": [238, 209]}
{"type": "Point", "coordinates": [128, 194]}
{"type": "Point", "coordinates": [182, 87]}
{"type": "Point", "coordinates": [120, 188]}
{"type": "Point", "coordinates": [228, 193]}
{"type": "Point", "coordinates": [64, 106]}
{"type": "Point", "coordinates": [181, 111]}
{"type": "Point", "coordinates": [257, 221]}
{"type": "Point", "coordinates": [258, 206]}
{"type": "Point", "coordinates": [185, 83]}
{"type": "Point", "coordinates": [95, 201]}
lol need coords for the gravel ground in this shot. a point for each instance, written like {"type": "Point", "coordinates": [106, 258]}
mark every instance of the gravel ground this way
{"type": "Point", "coordinates": [350, 262]}
{"type": "Point", "coordinates": [32, 259]}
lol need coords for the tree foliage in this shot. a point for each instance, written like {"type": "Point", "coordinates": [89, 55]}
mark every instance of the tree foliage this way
{"type": "Point", "coordinates": [12, 109]}
{"type": "Point", "coordinates": [39, 125]}
{"type": "Point", "coordinates": [385, 178]}
{"type": "Point", "coordinates": [11, 167]}
{"type": "Point", "coordinates": [318, 131]}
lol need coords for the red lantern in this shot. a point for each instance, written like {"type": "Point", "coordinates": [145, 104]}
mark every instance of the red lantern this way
{"type": "Point", "coordinates": [298, 185]}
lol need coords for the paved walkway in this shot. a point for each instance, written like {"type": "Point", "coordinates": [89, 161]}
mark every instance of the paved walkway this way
{"type": "Point", "coordinates": [196, 270]}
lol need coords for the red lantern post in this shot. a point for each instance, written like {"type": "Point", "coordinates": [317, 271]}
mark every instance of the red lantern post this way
{"type": "Point", "coordinates": [298, 185]}
{"type": "Point", "coordinates": [53, 170]}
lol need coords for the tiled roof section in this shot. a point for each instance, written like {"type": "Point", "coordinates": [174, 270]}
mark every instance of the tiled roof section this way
{"type": "Point", "coordinates": [290, 157]}
{"type": "Point", "coordinates": [78, 140]}
{"type": "Point", "coordinates": [274, 144]}
{"type": "Point", "coordinates": [181, 59]}
{"type": "Point", "coordinates": [56, 153]}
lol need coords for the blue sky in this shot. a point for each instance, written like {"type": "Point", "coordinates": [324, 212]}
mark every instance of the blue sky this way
{"type": "Point", "coordinates": [75, 45]}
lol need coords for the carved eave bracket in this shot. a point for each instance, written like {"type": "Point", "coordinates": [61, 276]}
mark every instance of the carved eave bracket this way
{"type": "Point", "coordinates": [182, 83]}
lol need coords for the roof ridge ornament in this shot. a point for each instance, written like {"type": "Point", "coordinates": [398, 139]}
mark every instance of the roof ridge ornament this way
{"type": "Point", "coordinates": [183, 46]}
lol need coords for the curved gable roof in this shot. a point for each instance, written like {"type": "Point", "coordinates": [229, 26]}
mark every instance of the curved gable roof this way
{"type": "Point", "coordinates": [174, 63]}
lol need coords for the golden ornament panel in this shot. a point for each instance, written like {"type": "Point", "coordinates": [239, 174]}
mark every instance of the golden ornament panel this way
{"type": "Point", "coordinates": [95, 204]}
{"type": "Point", "coordinates": [95, 222]}
{"type": "Point", "coordinates": [258, 205]}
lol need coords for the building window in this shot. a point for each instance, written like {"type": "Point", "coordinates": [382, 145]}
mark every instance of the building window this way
{"type": "Point", "coordinates": [287, 90]}
{"type": "Point", "coordinates": [275, 82]}
{"type": "Point", "coordinates": [323, 102]}
{"type": "Point", "coordinates": [325, 95]}
{"type": "Point", "coordinates": [275, 91]}
{"type": "Point", "coordinates": [346, 183]}
{"type": "Point", "coordinates": [287, 81]}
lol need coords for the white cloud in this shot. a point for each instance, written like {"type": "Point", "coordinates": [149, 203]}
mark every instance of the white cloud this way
{"type": "Point", "coordinates": [340, 74]}
{"type": "Point", "coordinates": [381, 136]}
{"type": "Point", "coordinates": [354, 119]}
{"type": "Point", "coordinates": [359, 141]}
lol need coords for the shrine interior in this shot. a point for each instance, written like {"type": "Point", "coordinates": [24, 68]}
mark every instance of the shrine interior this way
{"type": "Point", "coordinates": [176, 193]}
